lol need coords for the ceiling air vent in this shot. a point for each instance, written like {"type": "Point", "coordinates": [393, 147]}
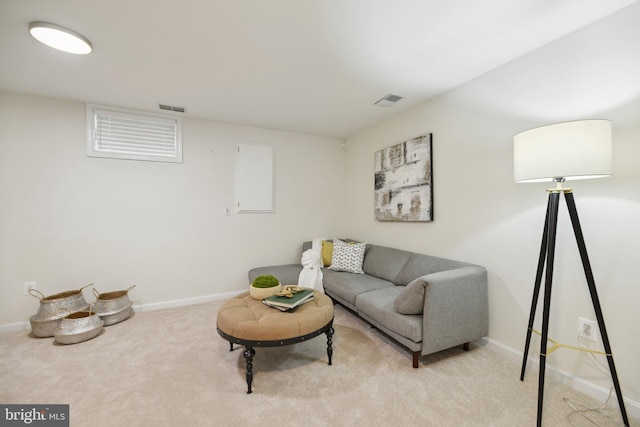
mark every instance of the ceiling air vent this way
{"type": "Point", "coordinates": [172, 108]}
{"type": "Point", "coordinates": [388, 100]}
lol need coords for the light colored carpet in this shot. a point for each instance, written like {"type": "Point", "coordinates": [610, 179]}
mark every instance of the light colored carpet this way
{"type": "Point", "coordinates": [170, 367]}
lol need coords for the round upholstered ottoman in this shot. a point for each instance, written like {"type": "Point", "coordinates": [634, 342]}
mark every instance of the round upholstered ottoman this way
{"type": "Point", "coordinates": [246, 321]}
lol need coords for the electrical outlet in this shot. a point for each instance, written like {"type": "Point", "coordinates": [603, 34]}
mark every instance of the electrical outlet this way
{"type": "Point", "coordinates": [588, 329]}
{"type": "Point", "coordinates": [227, 211]}
{"type": "Point", "coordinates": [28, 286]}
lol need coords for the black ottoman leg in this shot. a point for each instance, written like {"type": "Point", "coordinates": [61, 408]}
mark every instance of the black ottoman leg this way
{"type": "Point", "coordinates": [248, 354]}
{"type": "Point", "coordinates": [329, 343]}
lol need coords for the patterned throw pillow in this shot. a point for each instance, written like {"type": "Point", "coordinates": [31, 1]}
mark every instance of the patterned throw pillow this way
{"type": "Point", "coordinates": [347, 256]}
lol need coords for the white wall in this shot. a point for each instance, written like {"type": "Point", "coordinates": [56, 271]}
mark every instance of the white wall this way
{"type": "Point", "coordinates": [67, 220]}
{"type": "Point", "coordinates": [482, 216]}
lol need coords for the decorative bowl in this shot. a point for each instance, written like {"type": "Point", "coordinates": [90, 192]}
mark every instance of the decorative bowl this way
{"type": "Point", "coordinates": [262, 293]}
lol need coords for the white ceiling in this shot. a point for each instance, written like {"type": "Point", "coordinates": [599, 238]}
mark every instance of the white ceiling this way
{"type": "Point", "coordinates": [309, 66]}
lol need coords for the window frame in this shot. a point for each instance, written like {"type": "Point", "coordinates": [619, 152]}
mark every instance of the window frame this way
{"type": "Point", "coordinates": [93, 111]}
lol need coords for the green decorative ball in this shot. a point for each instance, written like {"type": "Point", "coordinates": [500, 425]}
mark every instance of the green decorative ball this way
{"type": "Point", "coordinates": [267, 281]}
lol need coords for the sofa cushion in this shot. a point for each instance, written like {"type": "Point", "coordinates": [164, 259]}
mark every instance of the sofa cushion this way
{"type": "Point", "coordinates": [384, 262]}
{"type": "Point", "coordinates": [347, 286]}
{"type": "Point", "coordinates": [420, 265]}
{"type": "Point", "coordinates": [347, 256]}
{"type": "Point", "coordinates": [410, 300]}
{"type": "Point", "coordinates": [327, 252]}
{"type": "Point", "coordinates": [378, 305]}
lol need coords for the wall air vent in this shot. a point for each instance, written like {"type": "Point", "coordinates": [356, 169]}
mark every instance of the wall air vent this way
{"type": "Point", "coordinates": [388, 100]}
{"type": "Point", "coordinates": [172, 108]}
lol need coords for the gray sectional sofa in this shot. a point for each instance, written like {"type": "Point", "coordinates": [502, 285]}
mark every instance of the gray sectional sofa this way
{"type": "Point", "coordinates": [425, 303]}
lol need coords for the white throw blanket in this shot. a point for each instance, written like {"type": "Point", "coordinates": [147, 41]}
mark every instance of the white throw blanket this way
{"type": "Point", "coordinates": [311, 274]}
{"type": "Point", "coordinates": [316, 246]}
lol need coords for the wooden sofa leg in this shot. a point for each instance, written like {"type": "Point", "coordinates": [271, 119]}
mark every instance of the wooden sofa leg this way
{"type": "Point", "coordinates": [416, 358]}
{"type": "Point", "coordinates": [465, 346]}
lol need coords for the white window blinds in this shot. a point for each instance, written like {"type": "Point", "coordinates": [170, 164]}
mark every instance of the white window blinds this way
{"type": "Point", "coordinates": [125, 135]}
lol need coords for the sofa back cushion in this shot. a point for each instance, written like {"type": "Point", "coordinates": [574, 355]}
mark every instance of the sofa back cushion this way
{"type": "Point", "coordinates": [385, 263]}
{"type": "Point", "coordinates": [419, 265]}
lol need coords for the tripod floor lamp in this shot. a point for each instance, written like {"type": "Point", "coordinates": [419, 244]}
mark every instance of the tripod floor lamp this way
{"type": "Point", "coordinates": [555, 153]}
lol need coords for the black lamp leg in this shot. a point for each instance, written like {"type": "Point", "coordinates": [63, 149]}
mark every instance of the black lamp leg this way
{"type": "Point", "coordinates": [573, 213]}
{"type": "Point", "coordinates": [536, 290]}
{"type": "Point", "coordinates": [551, 248]}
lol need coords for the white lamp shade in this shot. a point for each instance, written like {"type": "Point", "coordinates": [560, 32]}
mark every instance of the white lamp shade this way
{"type": "Point", "coordinates": [571, 150]}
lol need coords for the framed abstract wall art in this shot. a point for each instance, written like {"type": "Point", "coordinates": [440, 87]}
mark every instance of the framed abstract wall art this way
{"type": "Point", "coordinates": [403, 181]}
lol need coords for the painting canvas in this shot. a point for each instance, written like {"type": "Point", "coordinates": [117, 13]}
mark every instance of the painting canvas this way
{"type": "Point", "coordinates": [403, 181]}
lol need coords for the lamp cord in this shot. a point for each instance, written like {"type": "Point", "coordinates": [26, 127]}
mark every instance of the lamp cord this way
{"type": "Point", "coordinates": [582, 410]}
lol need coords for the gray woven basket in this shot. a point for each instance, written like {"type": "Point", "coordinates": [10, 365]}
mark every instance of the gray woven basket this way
{"type": "Point", "coordinates": [112, 319]}
{"type": "Point", "coordinates": [44, 328]}
{"type": "Point", "coordinates": [78, 327]}
{"type": "Point", "coordinates": [113, 307]}
{"type": "Point", "coordinates": [53, 308]}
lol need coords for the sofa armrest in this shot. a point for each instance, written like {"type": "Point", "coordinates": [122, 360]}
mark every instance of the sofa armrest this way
{"type": "Point", "coordinates": [455, 308]}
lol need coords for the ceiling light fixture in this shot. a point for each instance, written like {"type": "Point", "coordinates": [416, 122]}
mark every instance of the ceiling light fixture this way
{"type": "Point", "coordinates": [60, 38]}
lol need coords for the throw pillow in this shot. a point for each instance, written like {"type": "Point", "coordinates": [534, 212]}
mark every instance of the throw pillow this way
{"type": "Point", "coordinates": [411, 299]}
{"type": "Point", "coordinates": [327, 253]}
{"type": "Point", "coordinates": [347, 256]}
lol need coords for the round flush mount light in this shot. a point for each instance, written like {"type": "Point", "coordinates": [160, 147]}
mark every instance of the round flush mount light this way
{"type": "Point", "coordinates": [60, 38]}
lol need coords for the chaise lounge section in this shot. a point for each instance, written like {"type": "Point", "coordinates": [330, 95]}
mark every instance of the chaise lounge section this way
{"type": "Point", "coordinates": [425, 303]}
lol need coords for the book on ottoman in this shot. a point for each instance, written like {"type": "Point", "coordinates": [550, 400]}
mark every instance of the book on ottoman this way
{"type": "Point", "coordinates": [286, 303]}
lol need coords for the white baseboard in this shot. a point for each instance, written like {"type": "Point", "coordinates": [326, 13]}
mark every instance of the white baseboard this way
{"type": "Point", "coordinates": [564, 377]}
{"type": "Point", "coordinates": [138, 307]}
{"type": "Point", "coordinates": [15, 327]}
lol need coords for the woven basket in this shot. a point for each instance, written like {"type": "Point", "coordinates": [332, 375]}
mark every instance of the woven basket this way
{"type": "Point", "coordinates": [113, 318]}
{"type": "Point", "coordinates": [53, 308]}
{"type": "Point", "coordinates": [262, 293]}
{"type": "Point", "coordinates": [113, 307]}
{"type": "Point", "coordinates": [43, 328]}
{"type": "Point", "coordinates": [78, 327]}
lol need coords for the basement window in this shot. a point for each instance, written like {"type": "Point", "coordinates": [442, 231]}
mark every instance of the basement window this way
{"type": "Point", "coordinates": [121, 134]}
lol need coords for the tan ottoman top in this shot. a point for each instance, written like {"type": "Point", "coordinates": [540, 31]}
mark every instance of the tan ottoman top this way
{"type": "Point", "coordinates": [246, 318]}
